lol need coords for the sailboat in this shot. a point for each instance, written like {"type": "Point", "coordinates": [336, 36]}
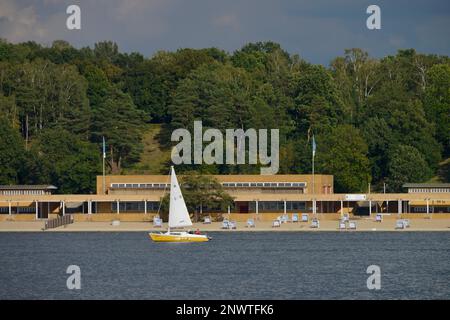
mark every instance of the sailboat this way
{"type": "Point", "coordinates": [178, 217]}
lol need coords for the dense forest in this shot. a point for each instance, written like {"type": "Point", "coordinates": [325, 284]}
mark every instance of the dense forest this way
{"type": "Point", "coordinates": [374, 120]}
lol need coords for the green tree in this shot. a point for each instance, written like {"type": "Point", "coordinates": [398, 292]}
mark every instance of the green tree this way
{"type": "Point", "coordinates": [343, 153]}
{"type": "Point", "coordinates": [12, 153]}
{"type": "Point", "coordinates": [201, 193]}
{"type": "Point", "coordinates": [406, 164]}
{"type": "Point", "coordinates": [318, 104]}
{"type": "Point", "coordinates": [437, 103]}
{"type": "Point", "coordinates": [63, 160]}
{"type": "Point", "coordinates": [120, 122]}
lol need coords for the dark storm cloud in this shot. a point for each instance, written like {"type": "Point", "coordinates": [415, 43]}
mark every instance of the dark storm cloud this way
{"type": "Point", "coordinates": [317, 30]}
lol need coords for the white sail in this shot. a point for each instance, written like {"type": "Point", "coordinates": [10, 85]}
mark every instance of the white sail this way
{"type": "Point", "coordinates": [178, 213]}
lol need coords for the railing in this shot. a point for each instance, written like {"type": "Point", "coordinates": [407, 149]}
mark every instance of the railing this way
{"type": "Point", "coordinates": [58, 222]}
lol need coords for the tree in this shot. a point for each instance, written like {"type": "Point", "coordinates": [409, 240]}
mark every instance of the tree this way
{"type": "Point", "coordinates": [343, 153]}
{"type": "Point", "coordinates": [120, 122]}
{"type": "Point", "coordinates": [12, 153]}
{"type": "Point", "coordinates": [406, 164]}
{"type": "Point", "coordinates": [201, 192]}
{"type": "Point", "coordinates": [60, 158]}
{"type": "Point", "coordinates": [318, 104]}
{"type": "Point", "coordinates": [437, 103]}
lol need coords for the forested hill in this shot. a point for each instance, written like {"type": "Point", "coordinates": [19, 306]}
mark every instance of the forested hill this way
{"type": "Point", "coordinates": [379, 120]}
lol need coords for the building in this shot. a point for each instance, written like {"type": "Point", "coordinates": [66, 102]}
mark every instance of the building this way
{"type": "Point", "coordinates": [137, 198]}
{"type": "Point", "coordinates": [251, 192]}
{"type": "Point", "coordinates": [427, 187]}
{"type": "Point", "coordinates": [427, 204]}
{"type": "Point", "coordinates": [26, 189]}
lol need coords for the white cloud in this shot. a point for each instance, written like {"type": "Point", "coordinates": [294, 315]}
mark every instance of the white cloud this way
{"type": "Point", "coordinates": [19, 24]}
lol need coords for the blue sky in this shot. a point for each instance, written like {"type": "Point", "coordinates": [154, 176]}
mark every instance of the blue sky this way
{"type": "Point", "coordinates": [317, 30]}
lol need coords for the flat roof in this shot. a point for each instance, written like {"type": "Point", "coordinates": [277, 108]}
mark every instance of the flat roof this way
{"type": "Point", "coordinates": [28, 187]}
{"type": "Point", "coordinates": [426, 185]}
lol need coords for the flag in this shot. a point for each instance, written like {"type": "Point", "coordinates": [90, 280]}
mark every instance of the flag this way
{"type": "Point", "coordinates": [313, 146]}
{"type": "Point", "coordinates": [104, 148]}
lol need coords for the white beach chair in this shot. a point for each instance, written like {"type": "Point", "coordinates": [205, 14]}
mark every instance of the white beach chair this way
{"type": "Point", "coordinates": [406, 223]}
{"type": "Point", "coordinates": [305, 217]}
{"type": "Point", "coordinates": [225, 224]}
{"type": "Point", "coordinates": [250, 223]}
{"type": "Point", "coordinates": [232, 225]}
{"type": "Point", "coordinates": [157, 222]}
{"type": "Point", "coordinates": [378, 218]}
{"type": "Point", "coordinates": [346, 217]}
{"type": "Point", "coordinates": [284, 218]}
{"type": "Point", "coordinates": [400, 224]}
{"type": "Point", "coordinates": [352, 225]}
{"type": "Point", "coordinates": [276, 223]}
{"type": "Point", "coordinates": [207, 220]}
{"type": "Point", "coordinates": [294, 217]}
{"type": "Point", "coordinates": [342, 225]}
{"type": "Point", "coordinates": [315, 223]}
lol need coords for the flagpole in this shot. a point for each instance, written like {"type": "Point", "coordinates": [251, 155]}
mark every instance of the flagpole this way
{"type": "Point", "coordinates": [313, 186]}
{"type": "Point", "coordinates": [103, 156]}
{"type": "Point", "coordinates": [313, 190]}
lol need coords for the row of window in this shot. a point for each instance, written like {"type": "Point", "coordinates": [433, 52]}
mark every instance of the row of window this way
{"type": "Point", "coordinates": [426, 190]}
{"type": "Point", "coordinates": [19, 192]}
{"type": "Point", "coordinates": [431, 209]}
{"type": "Point", "coordinates": [225, 184]}
{"type": "Point", "coordinates": [276, 205]}
{"type": "Point", "coordinates": [140, 185]}
{"type": "Point", "coordinates": [18, 209]}
{"type": "Point", "coordinates": [264, 184]}
{"type": "Point", "coordinates": [135, 206]}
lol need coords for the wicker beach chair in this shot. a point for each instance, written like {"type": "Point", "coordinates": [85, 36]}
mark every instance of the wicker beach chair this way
{"type": "Point", "coordinates": [207, 220]}
{"type": "Point", "coordinates": [305, 217]}
{"type": "Point", "coordinates": [400, 224]}
{"type": "Point", "coordinates": [276, 223]}
{"type": "Point", "coordinates": [315, 223]}
{"type": "Point", "coordinates": [294, 217]}
{"type": "Point", "coordinates": [157, 222]}
{"type": "Point", "coordinates": [250, 223]}
{"type": "Point", "coordinates": [352, 225]}
{"type": "Point", "coordinates": [342, 225]}
{"type": "Point", "coordinates": [378, 218]}
{"type": "Point", "coordinates": [225, 224]}
{"type": "Point", "coordinates": [232, 225]}
{"type": "Point", "coordinates": [346, 217]}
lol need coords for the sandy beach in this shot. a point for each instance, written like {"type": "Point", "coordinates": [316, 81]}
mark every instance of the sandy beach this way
{"type": "Point", "coordinates": [363, 224]}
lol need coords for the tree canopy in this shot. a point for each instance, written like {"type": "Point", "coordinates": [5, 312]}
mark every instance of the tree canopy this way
{"type": "Point", "coordinates": [58, 102]}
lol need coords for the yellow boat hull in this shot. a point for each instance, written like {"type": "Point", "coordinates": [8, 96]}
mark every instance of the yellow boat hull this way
{"type": "Point", "coordinates": [182, 237]}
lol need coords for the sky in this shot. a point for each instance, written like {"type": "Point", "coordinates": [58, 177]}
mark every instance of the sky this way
{"type": "Point", "coordinates": [317, 30]}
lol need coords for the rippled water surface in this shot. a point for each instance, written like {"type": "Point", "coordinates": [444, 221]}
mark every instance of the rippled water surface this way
{"type": "Point", "coordinates": [235, 265]}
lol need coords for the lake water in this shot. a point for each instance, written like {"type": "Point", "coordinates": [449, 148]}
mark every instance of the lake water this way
{"type": "Point", "coordinates": [235, 265]}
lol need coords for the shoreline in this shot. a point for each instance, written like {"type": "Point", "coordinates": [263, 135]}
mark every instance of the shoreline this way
{"type": "Point", "coordinates": [363, 225]}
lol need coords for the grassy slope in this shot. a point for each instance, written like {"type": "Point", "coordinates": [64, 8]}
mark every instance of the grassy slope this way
{"type": "Point", "coordinates": [153, 157]}
{"type": "Point", "coordinates": [443, 174]}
